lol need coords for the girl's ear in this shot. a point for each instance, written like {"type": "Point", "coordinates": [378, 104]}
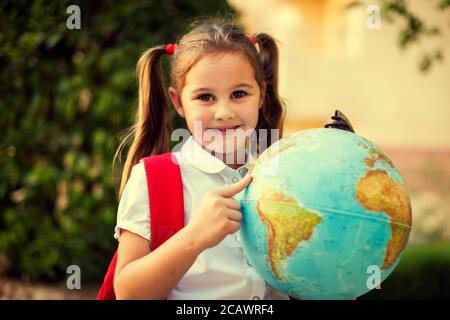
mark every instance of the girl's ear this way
{"type": "Point", "coordinates": [176, 101]}
{"type": "Point", "coordinates": [263, 94]}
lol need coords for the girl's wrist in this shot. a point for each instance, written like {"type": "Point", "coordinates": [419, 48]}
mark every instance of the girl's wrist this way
{"type": "Point", "coordinates": [192, 239]}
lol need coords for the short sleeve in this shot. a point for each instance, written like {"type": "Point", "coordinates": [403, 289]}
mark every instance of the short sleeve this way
{"type": "Point", "coordinates": [133, 213]}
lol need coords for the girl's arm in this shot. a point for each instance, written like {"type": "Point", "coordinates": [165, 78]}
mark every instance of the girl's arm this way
{"type": "Point", "coordinates": [141, 275]}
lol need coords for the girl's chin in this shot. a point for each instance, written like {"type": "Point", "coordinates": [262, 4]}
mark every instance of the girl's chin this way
{"type": "Point", "coordinates": [225, 146]}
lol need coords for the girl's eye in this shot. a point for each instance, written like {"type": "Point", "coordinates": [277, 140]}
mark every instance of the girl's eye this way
{"type": "Point", "coordinates": [205, 97]}
{"type": "Point", "coordinates": [239, 94]}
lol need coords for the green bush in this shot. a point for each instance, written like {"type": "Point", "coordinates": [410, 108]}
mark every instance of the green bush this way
{"type": "Point", "coordinates": [65, 95]}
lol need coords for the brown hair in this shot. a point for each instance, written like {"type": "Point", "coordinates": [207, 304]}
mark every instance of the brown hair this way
{"type": "Point", "coordinates": [152, 123]}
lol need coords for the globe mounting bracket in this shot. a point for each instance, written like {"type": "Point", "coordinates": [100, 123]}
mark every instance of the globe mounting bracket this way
{"type": "Point", "coordinates": [340, 121]}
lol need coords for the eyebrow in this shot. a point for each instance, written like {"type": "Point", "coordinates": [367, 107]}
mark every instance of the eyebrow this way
{"type": "Point", "coordinates": [246, 85]}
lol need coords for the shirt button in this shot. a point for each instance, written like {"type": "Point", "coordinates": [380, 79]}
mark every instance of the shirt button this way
{"type": "Point", "coordinates": [256, 298]}
{"type": "Point", "coordinates": [243, 171]}
{"type": "Point", "coordinates": [235, 179]}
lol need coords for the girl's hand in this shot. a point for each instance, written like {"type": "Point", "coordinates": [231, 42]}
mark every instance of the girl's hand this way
{"type": "Point", "coordinates": [218, 215]}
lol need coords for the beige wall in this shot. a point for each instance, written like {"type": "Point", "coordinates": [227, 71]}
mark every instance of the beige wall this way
{"type": "Point", "coordinates": [330, 59]}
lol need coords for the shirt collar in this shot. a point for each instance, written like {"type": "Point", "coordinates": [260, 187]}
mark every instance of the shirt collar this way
{"type": "Point", "coordinates": [194, 154]}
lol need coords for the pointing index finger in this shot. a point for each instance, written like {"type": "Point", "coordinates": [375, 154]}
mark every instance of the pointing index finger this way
{"type": "Point", "coordinates": [235, 188]}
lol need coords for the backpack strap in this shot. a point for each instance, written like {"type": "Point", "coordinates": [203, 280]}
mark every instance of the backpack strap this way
{"type": "Point", "coordinates": [165, 194]}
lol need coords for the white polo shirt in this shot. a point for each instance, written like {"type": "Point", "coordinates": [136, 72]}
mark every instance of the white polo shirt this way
{"type": "Point", "coordinates": [221, 272]}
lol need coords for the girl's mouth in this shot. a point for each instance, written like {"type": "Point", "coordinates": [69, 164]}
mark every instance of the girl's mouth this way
{"type": "Point", "coordinates": [225, 130]}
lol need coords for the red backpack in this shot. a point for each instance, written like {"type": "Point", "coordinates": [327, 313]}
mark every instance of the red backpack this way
{"type": "Point", "coordinates": [165, 194]}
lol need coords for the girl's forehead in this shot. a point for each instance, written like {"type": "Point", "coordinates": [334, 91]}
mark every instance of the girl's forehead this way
{"type": "Point", "coordinates": [220, 69]}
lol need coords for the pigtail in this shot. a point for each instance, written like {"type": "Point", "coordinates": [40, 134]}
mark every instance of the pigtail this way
{"type": "Point", "coordinates": [150, 132]}
{"type": "Point", "coordinates": [272, 113]}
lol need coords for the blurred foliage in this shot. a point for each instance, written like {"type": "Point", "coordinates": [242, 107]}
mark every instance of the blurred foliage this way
{"type": "Point", "coordinates": [414, 28]}
{"type": "Point", "coordinates": [423, 273]}
{"type": "Point", "coordinates": [65, 95]}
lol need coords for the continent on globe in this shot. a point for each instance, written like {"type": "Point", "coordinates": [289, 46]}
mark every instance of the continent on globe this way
{"type": "Point", "coordinates": [287, 224]}
{"type": "Point", "coordinates": [376, 191]}
{"type": "Point", "coordinates": [377, 155]}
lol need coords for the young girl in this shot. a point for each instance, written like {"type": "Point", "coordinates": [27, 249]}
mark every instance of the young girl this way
{"type": "Point", "coordinates": [221, 80]}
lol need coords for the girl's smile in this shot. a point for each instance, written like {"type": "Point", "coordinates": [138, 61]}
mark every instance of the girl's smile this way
{"type": "Point", "coordinates": [225, 130]}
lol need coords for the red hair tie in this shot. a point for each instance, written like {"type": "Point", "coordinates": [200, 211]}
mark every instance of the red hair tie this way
{"type": "Point", "coordinates": [252, 38]}
{"type": "Point", "coordinates": [170, 48]}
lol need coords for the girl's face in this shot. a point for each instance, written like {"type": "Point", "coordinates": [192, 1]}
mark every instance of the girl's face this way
{"type": "Point", "coordinates": [220, 93]}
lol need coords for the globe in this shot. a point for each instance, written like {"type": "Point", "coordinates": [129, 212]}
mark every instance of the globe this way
{"type": "Point", "coordinates": [326, 216]}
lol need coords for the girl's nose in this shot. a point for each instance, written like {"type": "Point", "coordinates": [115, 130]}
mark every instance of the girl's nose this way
{"type": "Point", "coordinates": [223, 112]}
